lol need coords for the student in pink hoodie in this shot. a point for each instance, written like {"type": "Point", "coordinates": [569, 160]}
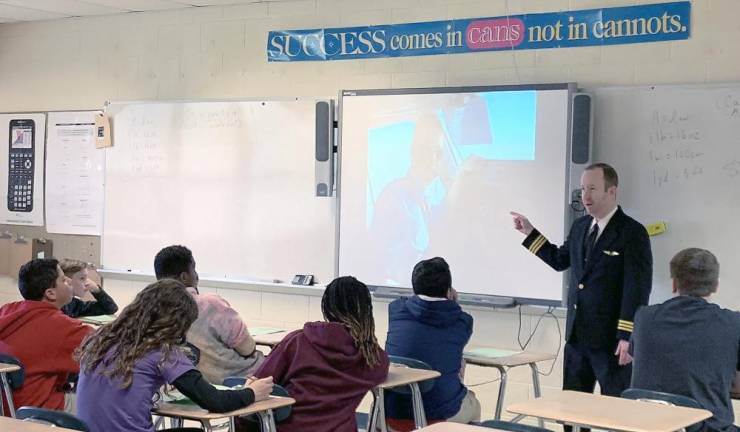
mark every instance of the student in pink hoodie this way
{"type": "Point", "coordinates": [329, 366]}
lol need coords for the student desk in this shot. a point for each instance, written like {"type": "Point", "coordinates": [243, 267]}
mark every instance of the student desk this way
{"type": "Point", "coordinates": [503, 364]}
{"type": "Point", "coordinates": [270, 340]}
{"type": "Point", "coordinates": [15, 425]}
{"type": "Point", "coordinates": [263, 409]}
{"type": "Point", "coordinates": [6, 392]}
{"type": "Point", "coordinates": [608, 412]}
{"type": "Point", "coordinates": [398, 376]}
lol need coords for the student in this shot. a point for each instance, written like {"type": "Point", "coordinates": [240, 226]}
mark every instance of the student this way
{"type": "Point", "coordinates": [226, 347]}
{"type": "Point", "coordinates": [432, 327]}
{"type": "Point", "coordinates": [103, 304]}
{"type": "Point", "coordinates": [327, 367]}
{"type": "Point", "coordinates": [687, 345]}
{"type": "Point", "coordinates": [125, 363]}
{"type": "Point", "coordinates": [37, 333]}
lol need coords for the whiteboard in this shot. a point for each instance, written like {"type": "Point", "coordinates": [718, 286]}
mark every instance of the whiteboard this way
{"type": "Point", "coordinates": [677, 151]}
{"type": "Point", "coordinates": [233, 181]}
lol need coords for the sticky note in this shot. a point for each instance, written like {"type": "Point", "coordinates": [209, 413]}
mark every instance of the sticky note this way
{"type": "Point", "coordinates": [656, 228]}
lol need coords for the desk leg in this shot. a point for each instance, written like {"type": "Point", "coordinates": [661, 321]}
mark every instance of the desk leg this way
{"type": "Point", "coordinates": [381, 411]}
{"type": "Point", "coordinates": [8, 395]}
{"type": "Point", "coordinates": [159, 423]}
{"type": "Point", "coordinates": [536, 385]}
{"type": "Point", "coordinates": [267, 420]}
{"type": "Point", "coordinates": [206, 425]}
{"type": "Point", "coordinates": [232, 424]}
{"type": "Point", "coordinates": [501, 392]}
{"type": "Point", "coordinates": [377, 412]}
{"type": "Point", "coordinates": [420, 417]}
{"type": "Point", "coordinates": [372, 421]}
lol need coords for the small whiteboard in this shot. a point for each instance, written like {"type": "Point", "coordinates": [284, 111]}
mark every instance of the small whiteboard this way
{"type": "Point", "coordinates": [233, 181]}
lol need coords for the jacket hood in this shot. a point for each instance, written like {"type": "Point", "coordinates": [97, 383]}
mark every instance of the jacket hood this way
{"type": "Point", "coordinates": [334, 343]}
{"type": "Point", "coordinates": [14, 316]}
{"type": "Point", "coordinates": [434, 313]}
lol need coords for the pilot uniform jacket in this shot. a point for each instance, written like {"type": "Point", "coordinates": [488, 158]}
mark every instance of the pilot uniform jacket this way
{"type": "Point", "coordinates": [605, 292]}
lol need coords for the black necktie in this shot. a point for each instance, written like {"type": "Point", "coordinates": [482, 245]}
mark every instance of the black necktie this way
{"type": "Point", "coordinates": [591, 241]}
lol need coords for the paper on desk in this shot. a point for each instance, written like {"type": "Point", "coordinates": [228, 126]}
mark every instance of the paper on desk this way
{"type": "Point", "coordinates": [491, 352]}
{"type": "Point", "coordinates": [98, 319]}
{"type": "Point", "coordinates": [259, 331]}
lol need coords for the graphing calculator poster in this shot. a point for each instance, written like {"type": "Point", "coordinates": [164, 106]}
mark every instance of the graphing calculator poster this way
{"type": "Point", "coordinates": [22, 179]}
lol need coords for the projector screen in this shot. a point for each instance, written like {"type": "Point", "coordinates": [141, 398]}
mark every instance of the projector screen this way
{"type": "Point", "coordinates": [435, 172]}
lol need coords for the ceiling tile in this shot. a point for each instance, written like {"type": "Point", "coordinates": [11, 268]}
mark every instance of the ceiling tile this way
{"type": "Point", "coordinates": [64, 7]}
{"type": "Point", "coordinates": [26, 14]}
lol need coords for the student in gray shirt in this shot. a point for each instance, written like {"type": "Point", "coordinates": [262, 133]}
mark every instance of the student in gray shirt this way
{"type": "Point", "coordinates": [687, 345]}
{"type": "Point", "coordinates": [103, 304]}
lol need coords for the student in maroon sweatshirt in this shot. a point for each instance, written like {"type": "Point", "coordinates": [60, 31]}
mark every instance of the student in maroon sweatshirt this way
{"type": "Point", "coordinates": [328, 367]}
{"type": "Point", "coordinates": [37, 333]}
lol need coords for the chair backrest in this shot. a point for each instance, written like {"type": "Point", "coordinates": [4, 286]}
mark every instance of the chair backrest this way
{"type": "Point", "coordinates": [362, 420]}
{"type": "Point", "coordinates": [280, 414]}
{"type": "Point", "coordinates": [15, 379]}
{"type": "Point", "coordinates": [510, 426]}
{"type": "Point", "coordinates": [666, 398]}
{"type": "Point", "coordinates": [51, 417]}
{"type": "Point", "coordinates": [192, 352]}
{"type": "Point", "coordinates": [424, 386]}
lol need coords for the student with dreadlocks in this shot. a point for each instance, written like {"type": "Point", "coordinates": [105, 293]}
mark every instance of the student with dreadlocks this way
{"type": "Point", "coordinates": [125, 363]}
{"type": "Point", "coordinates": [327, 367]}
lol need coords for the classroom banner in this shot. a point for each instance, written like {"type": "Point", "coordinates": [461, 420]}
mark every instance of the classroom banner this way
{"type": "Point", "coordinates": [608, 26]}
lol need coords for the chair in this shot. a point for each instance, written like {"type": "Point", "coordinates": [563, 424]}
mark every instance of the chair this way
{"type": "Point", "coordinates": [11, 381]}
{"type": "Point", "coordinates": [404, 425]}
{"type": "Point", "coordinates": [511, 426]}
{"type": "Point", "coordinates": [51, 417]}
{"type": "Point", "coordinates": [665, 398]}
{"type": "Point", "coordinates": [362, 421]}
{"type": "Point", "coordinates": [280, 414]}
{"type": "Point", "coordinates": [192, 352]}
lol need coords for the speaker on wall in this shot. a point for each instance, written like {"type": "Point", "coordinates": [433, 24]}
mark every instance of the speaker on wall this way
{"type": "Point", "coordinates": [324, 154]}
{"type": "Point", "coordinates": [581, 135]}
{"type": "Point", "coordinates": [582, 130]}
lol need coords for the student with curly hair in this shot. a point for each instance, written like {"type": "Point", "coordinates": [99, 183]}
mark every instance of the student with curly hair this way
{"type": "Point", "coordinates": [124, 364]}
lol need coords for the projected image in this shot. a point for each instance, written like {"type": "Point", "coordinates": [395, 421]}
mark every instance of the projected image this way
{"type": "Point", "coordinates": [414, 161]}
{"type": "Point", "coordinates": [436, 173]}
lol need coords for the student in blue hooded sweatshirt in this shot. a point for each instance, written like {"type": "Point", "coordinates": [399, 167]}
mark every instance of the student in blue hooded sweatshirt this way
{"type": "Point", "coordinates": [432, 327]}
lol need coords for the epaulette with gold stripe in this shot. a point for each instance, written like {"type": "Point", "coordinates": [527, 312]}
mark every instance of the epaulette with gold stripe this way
{"type": "Point", "coordinates": [627, 326]}
{"type": "Point", "coordinates": [537, 244]}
